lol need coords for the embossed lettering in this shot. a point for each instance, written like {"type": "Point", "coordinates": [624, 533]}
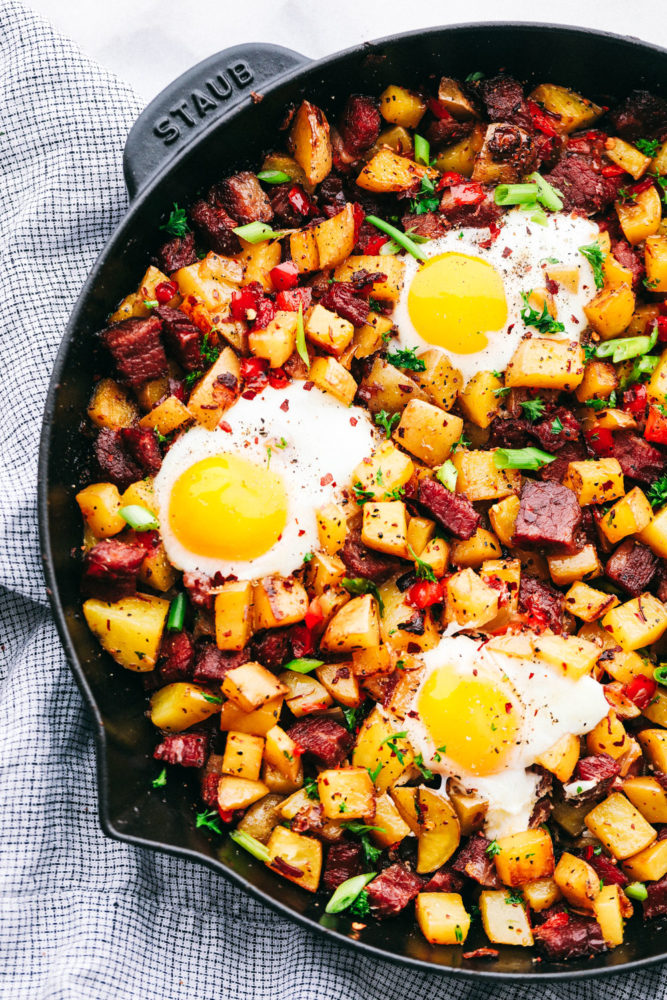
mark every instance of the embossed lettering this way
{"type": "Point", "coordinates": [202, 103]}
{"type": "Point", "coordinates": [166, 130]}
{"type": "Point", "coordinates": [242, 73]}
{"type": "Point", "coordinates": [219, 87]}
{"type": "Point", "coordinates": [182, 111]}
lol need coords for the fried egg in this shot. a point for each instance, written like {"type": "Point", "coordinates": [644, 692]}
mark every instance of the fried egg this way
{"type": "Point", "coordinates": [242, 499]}
{"type": "Point", "coordinates": [466, 297]}
{"type": "Point", "coordinates": [483, 717]}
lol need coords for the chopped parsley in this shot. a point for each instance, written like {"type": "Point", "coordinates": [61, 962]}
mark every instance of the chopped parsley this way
{"type": "Point", "coordinates": [426, 772]}
{"type": "Point", "coordinates": [210, 819]}
{"type": "Point", "coordinates": [361, 907]}
{"type": "Point", "coordinates": [177, 223]}
{"type": "Point", "coordinates": [209, 352]}
{"type": "Point", "coordinates": [191, 378]}
{"type": "Point", "coordinates": [161, 779]}
{"type": "Point", "coordinates": [391, 743]}
{"type": "Point", "coordinates": [407, 359]}
{"type": "Point", "coordinates": [424, 571]}
{"type": "Point", "coordinates": [461, 442]}
{"type": "Point", "coordinates": [649, 147]}
{"type": "Point", "coordinates": [543, 322]}
{"type": "Point", "coordinates": [657, 491]}
{"type": "Point", "coordinates": [310, 788]}
{"type": "Point", "coordinates": [351, 716]}
{"type": "Point", "coordinates": [371, 852]}
{"type": "Point", "coordinates": [438, 752]}
{"type": "Point", "coordinates": [556, 425]}
{"type": "Point", "coordinates": [361, 495]}
{"type": "Point", "coordinates": [375, 773]}
{"type": "Point", "coordinates": [533, 408]}
{"type": "Point", "coordinates": [595, 256]}
{"type": "Point", "coordinates": [474, 77]}
{"type": "Point", "coordinates": [358, 585]}
{"type": "Point", "coordinates": [602, 404]}
{"type": "Point", "coordinates": [427, 198]}
{"type": "Point", "coordinates": [662, 184]}
{"type": "Point", "coordinates": [150, 303]}
{"type": "Point", "coordinates": [514, 898]}
{"type": "Point", "coordinates": [396, 494]}
{"type": "Point", "coordinates": [493, 849]}
{"type": "Point", "coordinates": [214, 700]}
{"type": "Point", "coordinates": [387, 421]}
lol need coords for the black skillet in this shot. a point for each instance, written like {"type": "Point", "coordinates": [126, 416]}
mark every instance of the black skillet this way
{"type": "Point", "coordinates": [216, 118]}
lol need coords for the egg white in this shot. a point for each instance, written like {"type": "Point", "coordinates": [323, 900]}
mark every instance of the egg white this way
{"type": "Point", "coordinates": [552, 706]}
{"type": "Point", "coordinates": [520, 255]}
{"type": "Point", "coordinates": [315, 443]}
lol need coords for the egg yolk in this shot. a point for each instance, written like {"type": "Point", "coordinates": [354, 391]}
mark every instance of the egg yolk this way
{"type": "Point", "coordinates": [454, 300]}
{"type": "Point", "coordinates": [228, 508]}
{"type": "Point", "coordinates": [472, 720]}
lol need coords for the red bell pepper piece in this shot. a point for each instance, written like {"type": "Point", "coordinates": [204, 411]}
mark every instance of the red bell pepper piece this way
{"type": "Point", "coordinates": [278, 378]}
{"type": "Point", "coordinates": [601, 440]}
{"type": "Point", "coordinates": [314, 614]}
{"type": "Point", "coordinates": [373, 246]}
{"type": "Point", "coordinates": [165, 291]}
{"type": "Point", "coordinates": [470, 193]}
{"type": "Point", "coordinates": [656, 426]}
{"type": "Point", "coordinates": [449, 178]}
{"type": "Point", "coordinates": [543, 121]}
{"type": "Point", "coordinates": [253, 372]}
{"type": "Point", "coordinates": [424, 593]}
{"type": "Point", "coordinates": [285, 275]}
{"type": "Point", "coordinates": [635, 399]}
{"type": "Point", "coordinates": [244, 299]}
{"type": "Point", "coordinates": [437, 108]}
{"type": "Point", "coordinates": [300, 201]}
{"type": "Point", "coordinates": [641, 690]}
{"type": "Point", "coordinates": [359, 215]}
{"type": "Point", "coordinates": [292, 299]}
{"type": "Point", "coordinates": [612, 170]}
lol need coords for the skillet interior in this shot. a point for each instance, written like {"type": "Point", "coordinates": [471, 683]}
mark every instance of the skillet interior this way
{"type": "Point", "coordinates": [601, 66]}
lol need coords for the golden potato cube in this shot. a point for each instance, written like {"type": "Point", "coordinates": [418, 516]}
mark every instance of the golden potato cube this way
{"type": "Point", "coordinates": [427, 432]}
{"type": "Point", "coordinates": [140, 493]}
{"type": "Point", "coordinates": [303, 250]}
{"type": "Point", "coordinates": [608, 911]}
{"type": "Point", "coordinates": [640, 218]}
{"type": "Point", "coordinates": [258, 723]}
{"type": "Point", "coordinates": [573, 110]}
{"type": "Point", "coordinates": [471, 809]}
{"type": "Point", "coordinates": [659, 162]}
{"type": "Point", "coordinates": [599, 381]}
{"type": "Point", "coordinates": [298, 852]}
{"type": "Point", "coordinates": [369, 338]}
{"type": "Point", "coordinates": [503, 517]}
{"type": "Point", "coordinates": [395, 622]}
{"type": "Point", "coordinates": [328, 330]}
{"type": "Point", "coordinates": [401, 106]}
{"type": "Point", "coordinates": [637, 623]}
{"type": "Point", "coordinates": [609, 736]}
{"type": "Point", "coordinates": [110, 406]}
{"type": "Point", "coordinates": [656, 710]}
{"type": "Point", "coordinates": [391, 827]}
{"type": "Point", "coordinates": [595, 480]}
{"type": "Point", "coordinates": [279, 601]}
{"type": "Point", "coordinates": [305, 694]}
{"type": "Point", "coordinates": [507, 573]}
{"type": "Point", "coordinates": [587, 603]}
{"type": "Point", "coordinates": [420, 533]}
{"type": "Point", "coordinates": [156, 571]}
{"type": "Point", "coordinates": [504, 920]}
{"type": "Point", "coordinates": [258, 260]}
{"type": "Point", "coordinates": [561, 759]}
{"type": "Point", "coordinates": [341, 682]}
{"type": "Point", "coordinates": [346, 792]}
{"type": "Point", "coordinates": [372, 750]}
{"type": "Point", "coordinates": [628, 516]}
{"type": "Point", "coordinates": [368, 662]}
{"type": "Point", "coordinates": [615, 274]}
{"type": "Point", "coordinates": [480, 479]}
{"type": "Point", "coordinates": [627, 156]}
{"type": "Point", "coordinates": [277, 782]}
{"type": "Point", "coordinates": [167, 416]}
{"type": "Point", "coordinates": [647, 795]}
{"type": "Point", "coordinates": [439, 830]}
{"type": "Point", "coordinates": [541, 894]}
{"type": "Point", "coordinates": [99, 504]}
{"type": "Point", "coordinates": [386, 171]}
{"type": "Point", "coordinates": [522, 857]}
{"type": "Point", "coordinates": [217, 390]}
{"type": "Point", "coordinates": [243, 755]}
{"type": "Point", "coordinates": [577, 880]}
{"type": "Point", "coordinates": [579, 566]}
{"type": "Point", "coordinates": [310, 143]}
{"type": "Point", "coordinates": [330, 376]}
{"type": "Point", "coordinates": [478, 400]}
{"type": "Point", "coordinates": [335, 238]}
{"type": "Point", "coordinates": [610, 312]}
{"type": "Point", "coordinates": [239, 793]}
{"type": "Point", "coordinates": [282, 753]}
{"type": "Point", "coordinates": [655, 258]}
{"type": "Point", "coordinates": [648, 865]}
{"type": "Point", "coordinates": [355, 626]}
{"type": "Point", "coordinates": [130, 629]}
{"type": "Point", "coordinates": [655, 533]}
{"type": "Point", "coordinates": [568, 277]}
{"type": "Point", "coordinates": [440, 380]}
{"type": "Point", "coordinates": [453, 98]}
{"type": "Point", "coordinates": [385, 527]}
{"type": "Point", "coordinates": [324, 571]}
{"type": "Point", "coordinates": [331, 527]}
{"type": "Point", "coordinates": [460, 157]}
{"type": "Point", "coordinates": [387, 289]}
{"type": "Point", "coordinates": [442, 917]}
{"type": "Point", "coordinates": [288, 165]}
{"type": "Point", "coordinates": [178, 706]}
{"type": "Point", "coordinates": [233, 610]}
{"type": "Point", "coordinates": [654, 745]}
{"type": "Point", "coordinates": [276, 343]}
{"type": "Point", "coordinates": [405, 800]}
{"type": "Point", "coordinates": [388, 469]}
{"type": "Point", "coordinates": [390, 388]}
{"type": "Point", "coordinates": [541, 363]}
{"type": "Point", "coordinates": [251, 685]}
{"type": "Point", "coordinates": [397, 138]}
{"type": "Point", "coordinates": [474, 551]}
{"type": "Point", "coordinates": [620, 827]}
{"type": "Point", "coordinates": [436, 555]}
{"type": "Point", "coordinates": [210, 281]}
{"type": "Point", "coordinates": [469, 600]}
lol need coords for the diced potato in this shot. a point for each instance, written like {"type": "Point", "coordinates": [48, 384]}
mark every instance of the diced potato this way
{"type": "Point", "coordinates": [541, 894]}
{"type": "Point", "coordinates": [578, 566]}
{"type": "Point", "coordinates": [655, 258]}
{"type": "Point", "coordinates": [167, 416]}
{"type": "Point", "coordinates": [648, 795]}
{"type": "Point", "coordinates": [258, 723]}
{"type": "Point", "coordinates": [480, 479]}
{"type": "Point", "coordinates": [324, 571]}
{"type": "Point", "coordinates": [305, 694]}
{"type": "Point", "coordinates": [369, 338]}
{"type": "Point", "coordinates": [504, 920]}
{"type": "Point", "coordinates": [595, 480]}
{"type": "Point", "coordinates": [280, 783]}
{"type": "Point", "coordinates": [386, 290]}
{"type": "Point", "coordinates": [621, 665]}
{"type": "Point", "coordinates": [297, 851]}
{"type": "Point", "coordinates": [654, 745]}
{"type": "Point", "coordinates": [541, 363]}
{"type": "Point", "coordinates": [656, 710]}
{"type": "Point", "coordinates": [341, 682]}
{"type": "Point", "coordinates": [640, 218]}
{"type": "Point", "coordinates": [523, 857]}
{"type": "Point", "coordinates": [330, 376]}
{"type": "Point", "coordinates": [110, 406]}
{"type": "Point", "coordinates": [490, 168]}
{"type": "Point", "coordinates": [390, 388]}
{"type": "Point", "coordinates": [130, 629]}
{"type": "Point", "coordinates": [609, 736]}
{"type": "Point", "coordinates": [258, 260]}
{"type": "Point", "coordinates": [648, 865]}
{"type": "Point", "coordinates": [568, 277]}
{"type": "Point", "coordinates": [281, 752]}
{"type": "Point", "coordinates": [478, 400]}
{"type": "Point", "coordinates": [243, 755]}
{"type": "Point", "coordinates": [99, 504]}
{"type": "Point", "coordinates": [436, 555]}
{"type": "Point", "coordinates": [628, 516]}
{"type": "Point", "coordinates": [372, 750]}
{"type": "Point", "coordinates": [397, 138]}
{"type": "Point", "coordinates": [368, 662]}
{"type": "Point", "coordinates": [420, 532]}
{"type": "Point", "coordinates": [577, 880]}
{"type": "Point", "coordinates": [239, 793]}
{"type": "Point", "coordinates": [385, 527]}
{"type": "Point", "coordinates": [288, 165]}
{"type": "Point", "coordinates": [460, 157]}
{"type": "Point", "coordinates": [156, 571]}
{"type": "Point", "coordinates": [627, 156]}
{"type": "Point", "coordinates": [598, 382]}
{"type": "Point", "coordinates": [659, 162]}
{"type": "Point", "coordinates": [217, 390]}
{"type": "Point", "coordinates": [310, 143]}
{"type": "Point", "coordinates": [346, 792]}
{"type": "Point", "coordinates": [391, 828]}
{"type": "Point", "coordinates": [573, 110]}
{"type": "Point", "coordinates": [469, 600]}
{"type": "Point", "coordinates": [335, 238]}
{"type": "Point", "coordinates": [331, 527]}
{"type": "Point", "coordinates": [233, 610]}
{"type": "Point", "coordinates": [211, 282]}
{"type": "Point", "coordinates": [610, 312]}
{"type": "Point", "coordinates": [355, 626]}
{"type": "Point", "coordinates": [615, 274]}
{"type": "Point", "coordinates": [401, 106]}
{"type": "Point", "coordinates": [442, 917]}
{"type": "Point", "coordinates": [405, 800]}
{"type": "Point", "coordinates": [474, 551]}
{"type": "Point", "coordinates": [587, 603]}
{"type": "Point", "coordinates": [398, 614]}
{"type": "Point", "coordinates": [637, 623]}
{"type": "Point", "coordinates": [561, 759]}
{"type": "Point", "coordinates": [251, 685]}
{"type": "Point", "coordinates": [275, 343]}
{"type": "Point", "coordinates": [279, 601]}
{"type": "Point", "coordinates": [387, 171]}
{"type": "Point", "coordinates": [440, 832]}
{"type": "Point", "coordinates": [471, 809]}
{"type": "Point", "coordinates": [454, 99]}
{"type": "Point", "coordinates": [620, 827]}
{"type": "Point", "coordinates": [655, 533]}
{"type": "Point", "coordinates": [303, 250]}
{"type": "Point", "coordinates": [261, 817]}
{"type": "Point", "coordinates": [178, 706]}
{"type": "Point", "coordinates": [427, 432]}
{"type": "Point", "coordinates": [327, 330]}
{"type": "Point", "coordinates": [503, 517]}
{"type": "Point", "coordinates": [387, 470]}
{"type": "Point", "coordinates": [608, 911]}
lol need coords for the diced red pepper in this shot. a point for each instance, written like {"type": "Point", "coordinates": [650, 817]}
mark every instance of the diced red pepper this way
{"type": "Point", "coordinates": [612, 170]}
{"type": "Point", "coordinates": [278, 378]}
{"type": "Point", "coordinates": [437, 108]}
{"type": "Point", "coordinates": [314, 614]}
{"type": "Point", "coordinates": [641, 690]}
{"type": "Point", "coordinates": [424, 593]}
{"type": "Point", "coordinates": [244, 299]}
{"type": "Point", "coordinates": [373, 246]}
{"type": "Point", "coordinates": [469, 193]}
{"type": "Point", "coordinates": [449, 178]}
{"type": "Point", "coordinates": [643, 185]}
{"type": "Point", "coordinates": [543, 121]}
{"type": "Point", "coordinates": [656, 426]}
{"type": "Point", "coordinates": [226, 815]}
{"type": "Point", "coordinates": [266, 311]}
{"type": "Point", "coordinates": [601, 440]}
{"type": "Point", "coordinates": [302, 641]}
{"type": "Point", "coordinates": [359, 215]}
{"type": "Point", "coordinates": [635, 399]}
{"type": "Point", "coordinates": [300, 201]}
{"type": "Point", "coordinates": [559, 919]}
{"type": "Point", "coordinates": [292, 299]}
{"type": "Point", "coordinates": [253, 372]}
{"type": "Point", "coordinates": [165, 291]}
{"type": "Point", "coordinates": [285, 275]}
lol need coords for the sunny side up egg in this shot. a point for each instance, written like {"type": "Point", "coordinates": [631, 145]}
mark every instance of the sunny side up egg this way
{"type": "Point", "coordinates": [484, 717]}
{"type": "Point", "coordinates": [241, 500]}
{"type": "Point", "coordinates": [466, 297]}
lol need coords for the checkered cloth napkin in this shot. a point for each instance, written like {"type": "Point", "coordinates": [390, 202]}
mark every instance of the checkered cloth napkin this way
{"type": "Point", "coordinates": [82, 916]}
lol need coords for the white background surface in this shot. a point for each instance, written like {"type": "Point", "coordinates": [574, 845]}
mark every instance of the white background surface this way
{"type": "Point", "coordinates": [150, 42]}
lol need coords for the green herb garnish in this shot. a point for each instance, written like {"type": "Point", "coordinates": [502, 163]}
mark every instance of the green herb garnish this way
{"type": "Point", "coordinates": [657, 491]}
{"type": "Point", "coordinates": [423, 570]}
{"type": "Point", "coordinates": [347, 892]}
{"type": "Point", "coordinates": [543, 322]}
{"type": "Point", "coordinates": [176, 616]}
{"type": "Point", "coordinates": [447, 474]}
{"type": "Point", "coordinates": [139, 518]}
{"type": "Point", "coordinates": [521, 458]}
{"type": "Point", "coordinates": [273, 176]}
{"type": "Point", "coordinates": [303, 665]}
{"type": "Point", "coordinates": [251, 844]}
{"type": "Point", "coordinates": [408, 360]}
{"type": "Point", "coordinates": [177, 223]}
{"type": "Point", "coordinates": [161, 779]}
{"type": "Point", "coordinates": [426, 772]}
{"type": "Point", "coordinates": [533, 408]}
{"type": "Point", "coordinates": [387, 421]}
{"type": "Point", "coordinates": [358, 585]}
{"type": "Point", "coordinates": [402, 239]}
{"type": "Point", "coordinates": [595, 256]}
{"type": "Point", "coordinates": [301, 348]}
{"type": "Point", "coordinates": [649, 147]}
{"type": "Point", "coordinates": [210, 819]}
{"type": "Point", "coordinates": [361, 495]}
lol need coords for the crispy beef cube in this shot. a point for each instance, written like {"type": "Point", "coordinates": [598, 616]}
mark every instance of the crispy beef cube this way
{"type": "Point", "coordinates": [431, 225]}
{"type": "Point", "coordinates": [583, 187]}
{"type": "Point", "coordinates": [215, 228]}
{"type": "Point", "coordinates": [362, 561]}
{"type": "Point", "coordinates": [607, 869]}
{"type": "Point", "coordinates": [452, 510]}
{"type": "Point", "coordinates": [509, 432]}
{"type": "Point", "coordinates": [341, 297]}
{"type": "Point", "coordinates": [177, 657]}
{"type": "Point", "coordinates": [444, 880]}
{"type": "Point", "coordinates": [632, 567]}
{"type": "Point", "coordinates": [344, 860]}
{"type": "Point", "coordinates": [472, 860]}
{"type": "Point", "coordinates": [322, 738]}
{"type": "Point", "coordinates": [310, 819]}
{"type": "Point", "coordinates": [199, 588]}
{"type": "Point", "coordinates": [210, 779]}
{"type": "Point", "coordinates": [272, 648]}
{"type": "Point", "coordinates": [445, 131]}
{"type": "Point", "coordinates": [504, 100]}
{"type": "Point", "coordinates": [110, 569]}
{"type": "Point", "coordinates": [186, 749]}
{"type": "Point", "coordinates": [360, 124]}
{"type": "Point", "coordinates": [142, 444]}
{"type": "Point", "coordinates": [177, 253]}
{"type": "Point", "coordinates": [641, 115]}
{"type": "Point", "coordinates": [286, 214]}
{"type": "Point", "coordinates": [541, 602]}
{"type": "Point", "coordinates": [485, 213]}
{"type": "Point", "coordinates": [137, 349]}
{"type": "Point", "coordinates": [114, 460]}
{"type": "Point", "coordinates": [629, 257]}
{"type": "Point", "coordinates": [554, 472]}
{"type": "Point", "coordinates": [393, 890]}
{"type": "Point", "coordinates": [183, 338]}
{"type": "Point", "coordinates": [211, 663]}
{"type": "Point", "coordinates": [597, 767]}
{"type": "Point", "coordinates": [243, 197]}
{"type": "Point", "coordinates": [661, 583]}
{"type": "Point", "coordinates": [563, 936]}
{"type": "Point", "coordinates": [655, 904]}
{"type": "Point", "coordinates": [638, 459]}
{"type": "Point", "coordinates": [549, 517]}
{"type": "Point", "coordinates": [510, 144]}
{"type": "Point", "coordinates": [567, 429]}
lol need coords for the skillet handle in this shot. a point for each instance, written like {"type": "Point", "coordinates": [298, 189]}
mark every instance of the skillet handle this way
{"type": "Point", "coordinates": [196, 101]}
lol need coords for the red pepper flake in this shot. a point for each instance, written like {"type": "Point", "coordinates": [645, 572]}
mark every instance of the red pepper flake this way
{"type": "Point", "coordinates": [284, 406]}
{"type": "Point", "coordinates": [508, 707]}
{"type": "Point", "coordinates": [301, 532]}
{"type": "Point", "coordinates": [308, 386]}
{"type": "Point", "coordinates": [325, 480]}
{"type": "Point", "coordinates": [353, 421]}
{"type": "Point", "coordinates": [507, 252]}
{"type": "Point", "coordinates": [224, 426]}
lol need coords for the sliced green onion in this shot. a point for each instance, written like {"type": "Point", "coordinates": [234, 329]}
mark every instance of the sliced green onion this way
{"type": "Point", "coordinates": [301, 348]}
{"type": "Point", "coordinates": [303, 665]}
{"type": "Point", "coordinates": [636, 890]}
{"type": "Point", "coordinates": [389, 249]}
{"type": "Point", "coordinates": [625, 348]}
{"type": "Point", "coordinates": [250, 844]}
{"type": "Point", "coordinates": [539, 217]}
{"type": "Point", "coordinates": [139, 518]}
{"type": "Point", "coordinates": [402, 239]}
{"type": "Point", "coordinates": [273, 176]}
{"type": "Point", "coordinates": [515, 194]}
{"type": "Point", "coordinates": [422, 150]}
{"type": "Point", "coordinates": [640, 366]}
{"type": "Point", "coordinates": [257, 232]}
{"type": "Point", "coordinates": [448, 474]}
{"type": "Point", "coordinates": [521, 458]}
{"type": "Point", "coordinates": [151, 303]}
{"type": "Point", "coordinates": [547, 195]}
{"type": "Point", "coordinates": [347, 892]}
{"type": "Point", "coordinates": [660, 674]}
{"type": "Point", "coordinates": [176, 617]}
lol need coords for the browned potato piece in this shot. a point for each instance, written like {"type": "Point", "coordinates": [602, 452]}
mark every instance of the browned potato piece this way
{"type": "Point", "coordinates": [523, 857]}
{"type": "Point", "coordinates": [372, 750]}
{"type": "Point", "coordinates": [440, 380]}
{"type": "Point", "coordinates": [233, 607]}
{"type": "Point", "coordinates": [654, 745]}
{"type": "Point", "coordinates": [260, 819]}
{"type": "Point", "coordinates": [488, 168]}
{"type": "Point", "coordinates": [355, 626]}
{"type": "Point", "coordinates": [401, 106]}
{"type": "Point", "coordinates": [648, 795]}
{"type": "Point", "coordinates": [655, 257]}
{"type": "Point", "coordinates": [427, 432]}
{"type": "Point", "coordinates": [505, 921]}
{"type": "Point", "coordinates": [387, 289]}
{"type": "Point", "coordinates": [620, 827]}
{"type": "Point", "coordinates": [398, 613]}
{"type": "Point", "coordinates": [469, 600]}
{"type": "Point", "coordinates": [346, 793]}
{"type": "Point", "coordinates": [470, 808]}
{"type": "Point", "coordinates": [628, 516]}
{"type": "Point", "coordinates": [541, 894]}
{"type": "Point", "coordinates": [541, 363]}
{"type": "Point", "coordinates": [327, 330]}
{"type": "Point", "coordinates": [442, 917]}
{"type": "Point", "coordinates": [479, 477]}
{"type": "Point", "coordinates": [99, 504]}
{"type": "Point", "coordinates": [217, 390]}
{"type": "Point", "coordinates": [178, 706]}
{"type": "Point", "coordinates": [655, 533]}
{"type": "Point", "coordinates": [610, 906]}
{"type": "Point", "coordinates": [330, 376]}
{"type": "Point", "coordinates": [595, 480]}
{"type": "Point", "coordinates": [627, 156]}
{"type": "Point", "coordinates": [239, 793]}
{"type": "Point", "coordinates": [275, 343]}
{"type": "Point", "coordinates": [561, 759]}
{"type": "Point", "coordinates": [573, 110]}
{"type": "Point", "coordinates": [578, 566]}
{"type": "Point", "coordinates": [391, 827]}
{"type": "Point", "coordinates": [474, 551]}
{"type": "Point", "coordinates": [385, 527]}
{"type": "Point", "coordinates": [130, 629]}
{"type": "Point", "coordinates": [297, 852]}
{"type": "Point", "coordinates": [243, 755]}
{"type": "Point", "coordinates": [648, 865]}
{"type": "Point", "coordinates": [387, 171]}
{"type": "Point", "coordinates": [405, 800]}
{"type": "Point", "coordinates": [460, 157]}
{"type": "Point", "coordinates": [503, 517]}
{"type": "Point", "coordinates": [335, 238]}
{"type": "Point", "coordinates": [440, 832]}
{"type": "Point", "coordinates": [310, 143]}
{"type": "Point", "coordinates": [388, 469]}
{"type": "Point", "coordinates": [478, 400]}
{"type": "Point", "coordinates": [390, 388]}
{"type": "Point", "coordinates": [305, 694]}
{"type": "Point", "coordinates": [259, 722]}
{"type": "Point", "coordinates": [640, 218]}
{"type": "Point", "coordinates": [637, 623]}
{"type": "Point", "coordinates": [609, 736]}
{"type": "Point", "coordinates": [110, 406]}
{"type": "Point", "coordinates": [251, 685]}
{"type": "Point", "coordinates": [598, 382]}
{"type": "Point", "coordinates": [577, 880]}
{"type": "Point", "coordinates": [452, 96]}
{"type": "Point", "coordinates": [279, 601]}
{"type": "Point", "coordinates": [341, 682]}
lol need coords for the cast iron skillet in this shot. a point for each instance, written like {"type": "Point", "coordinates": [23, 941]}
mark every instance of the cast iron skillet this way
{"type": "Point", "coordinates": [207, 123]}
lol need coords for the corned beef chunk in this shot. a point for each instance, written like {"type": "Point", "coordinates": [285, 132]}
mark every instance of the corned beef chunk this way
{"type": "Point", "coordinates": [177, 253]}
{"type": "Point", "coordinates": [322, 738]}
{"type": "Point", "coordinates": [638, 459]}
{"type": "Point", "coordinates": [210, 779]}
{"type": "Point", "coordinates": [608, 869]}
{"type": "Point", "coordinates": [199, 590]}
{"type": "Point", "coordinates": [640, 116]}
{"type": "Point", "coordinates": [309, 819]}
{"type": "Point", "coordinates": [344, 860]}
{"type": "Point", "coordinates": [601, 769]}
{"type": "Point", "coordinates": [429, 224]}
{"type": "Point", "coordinates": [513, 146]}
{"type": "Point", "coordinates": [186, 749]}
{"type": "Point", "coordinates": [360, 124]}
{"type": "Point", "coordinates": [557, 429]}
{"type": "Point", "coordinates": [341, 297]}
{"type": "Point", "coordinates": [272, 648]}
{"type": "Point", "coordinates": [567, 935]}
{"type": "Point", "coordinates": [472, 860]}
{"type": "Point", "coordinates": [542, 603]}
{"type": "Point", "coordinates": [444, 880]}
{"type": "Point", "coordinates": [183, 338]}
{"type": "Point", "coordinates": [110, 569]}
{"type": "Point", "coordinates": [393, 890]}
{"type": "Point", "coordinates": [478, 216]}
{"type": "Point", "coordinates": [116, 464]}
{"type": "Point", "coordinates": [243, 197]}
{"type": "Point", "coordinates": [661, 583]}
{"type": "Point", "coordinates": [142, 444]}
{"type": "Point", "coordinates": [445, 131]}
{"type": "Point", "coordinates": [632, 567]}
{"type": "Point", "coordinates": [211, 663]}
{"type": "Point", "coordinates": [362, 561]}
{"type": "Point", "coordinates": [579, 178]}
{"type": "Point", "coordinates": [509, 432]}
{"type": "Point", "coordinates": [549, 516]}
{"type": "Point", "coordinates": [177, 657]}
{"type": "Point", "coordinates": [655, 904]}
{"type": "Point", "coordinates": [137, 349]}
{"type": "Point", "coordinates": [215, 227]}
{"type": "Point", "coordinates": [452, 510]}
{"type": "Point", "coordinates": [504, 100]}
{"type": "Point", "coordinates": [554, 472]}
{"type": "Point", "coordinates": [286, 200]}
